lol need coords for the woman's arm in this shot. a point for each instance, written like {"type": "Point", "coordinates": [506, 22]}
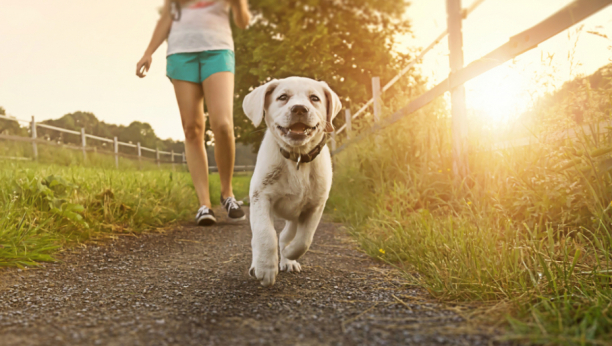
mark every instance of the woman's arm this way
{"type": "Point", "coordinates": [240, 9]}
{"type": "Point", "coordinates": [160, 34]}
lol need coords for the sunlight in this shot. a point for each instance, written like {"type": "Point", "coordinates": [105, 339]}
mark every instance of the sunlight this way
{"type": "Point", "coordinates": [499, 96]}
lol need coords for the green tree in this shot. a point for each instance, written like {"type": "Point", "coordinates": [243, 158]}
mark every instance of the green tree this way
{"type": "Point", "coordinates": [135, 132]}
{"type": "Point", "coordinates": [343, 42]}
{"type": "Point", "coordinates": [139, 132]}
{"type": "Point", "coordinates": [73, 121]}
{"type": "Point", "coordinates": [10, 127]}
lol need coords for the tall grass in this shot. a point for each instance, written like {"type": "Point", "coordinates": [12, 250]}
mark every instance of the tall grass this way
{"type": "Point", "coordinates": [529, 229]}
{"type": "Point", "coordinates": [47, 207]}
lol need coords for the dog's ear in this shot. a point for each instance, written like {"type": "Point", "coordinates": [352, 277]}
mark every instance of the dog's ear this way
{"type": "Point", "coordinates": [333, 106]}
{"type": "Point", "coordinates": [254, 103]}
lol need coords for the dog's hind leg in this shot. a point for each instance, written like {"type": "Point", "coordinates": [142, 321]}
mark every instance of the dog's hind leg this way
{"type": "Point", "coordinates": [285, 239]}
{"type": "Point", "coordinates": [264, 244]}
{"type": "Point", "coordinates": [307, 225]}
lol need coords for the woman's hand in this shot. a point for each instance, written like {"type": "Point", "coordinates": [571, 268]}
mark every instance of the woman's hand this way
{"type": "Point", "coordinates": [160, 34]}
{"type": "Point", "coordinates": [142, 67]}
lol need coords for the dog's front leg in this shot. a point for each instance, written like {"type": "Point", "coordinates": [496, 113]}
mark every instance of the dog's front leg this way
{"type": "Point", "coordinates": [264, 244]}
{"type": "Point", "coordinates": [307, 225]}
{"type": "Point", "coordinates": [285, 239]}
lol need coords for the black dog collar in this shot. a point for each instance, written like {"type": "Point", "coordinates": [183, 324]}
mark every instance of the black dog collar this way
{"type": "Point", "coordinates": [305, 158]}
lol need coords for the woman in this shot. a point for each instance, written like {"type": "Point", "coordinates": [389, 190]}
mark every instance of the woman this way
{"type": "Point", "coordinates": [200, 65]}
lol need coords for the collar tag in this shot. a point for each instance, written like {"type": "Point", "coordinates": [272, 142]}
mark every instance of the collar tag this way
{"type": "Point", "coordinates": [297, 166]}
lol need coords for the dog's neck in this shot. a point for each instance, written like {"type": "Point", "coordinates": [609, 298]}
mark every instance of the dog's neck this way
{"type": "Point", "coordinates": [305, 153]}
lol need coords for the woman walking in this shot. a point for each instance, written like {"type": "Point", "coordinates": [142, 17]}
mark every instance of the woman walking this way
{"type": "Point", "coordinates": [200, 65]}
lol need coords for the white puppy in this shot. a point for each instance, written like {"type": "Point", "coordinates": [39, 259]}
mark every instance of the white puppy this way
{"type": "Point", "coordinates": [293, 174]}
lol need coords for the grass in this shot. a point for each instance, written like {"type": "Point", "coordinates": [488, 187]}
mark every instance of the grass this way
{"type": "Point", "coordinates": [45, 208]}
{"type": "Point", "coordinates": [528, 232]}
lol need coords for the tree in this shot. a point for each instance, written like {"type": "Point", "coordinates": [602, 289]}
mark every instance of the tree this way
{"type": "Point", "coordinates": [133, 133]}
{"type": "Point", "coordinates": [343, 42]}
{"type": "Point", "coordinates": [10, 127]}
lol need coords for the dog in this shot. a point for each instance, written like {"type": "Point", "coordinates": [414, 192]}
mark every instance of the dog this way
{"type": "Point", "coordinates": [293, 173]}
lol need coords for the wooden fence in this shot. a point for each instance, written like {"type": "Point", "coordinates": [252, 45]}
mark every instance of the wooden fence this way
{"type": "Point", "coordinates": [174, 158]}
{"type": "Point", "coordinates": [516, 45]}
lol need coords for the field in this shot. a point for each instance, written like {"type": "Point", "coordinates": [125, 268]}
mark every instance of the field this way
{"type": "Point", "coordinates": [46, 207]}
{"type": "Point", "coordinates": [526, 236]}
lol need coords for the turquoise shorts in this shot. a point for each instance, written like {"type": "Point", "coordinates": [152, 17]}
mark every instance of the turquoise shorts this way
{"type": "Point", "coordinates": [196, 67]}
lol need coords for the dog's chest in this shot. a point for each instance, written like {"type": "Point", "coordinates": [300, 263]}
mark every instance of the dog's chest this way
{"type": "Point", "coordinates": [297, 191]}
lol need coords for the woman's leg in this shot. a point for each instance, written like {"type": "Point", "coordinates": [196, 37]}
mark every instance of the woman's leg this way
{"type": "Point", "coordinates": [219, 95]}
{"type": "Point", "coordinates": [190, 101]}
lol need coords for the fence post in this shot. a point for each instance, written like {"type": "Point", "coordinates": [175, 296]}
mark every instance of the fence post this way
{"type": "Point", "coordinates": [348, 117]}
{"type": "Point", "coordinates": [83, 143]}
{"type": "Point", "coordinates": [116, 144]}
{"type": "Point", "coordinates": [139, 149]}
{"type": "Point", "coordinates": [157, 156]}
{"type": "Point", "coordinates": [458, 110]}
{"type": "Point", "coordinates": [33, 131]}
{"type": "Point", "coordinates": [184, 160]}
{"type": "Point", "coordinates": [376, 97]}
{"type": "Point", "coordinates": [172, 155]}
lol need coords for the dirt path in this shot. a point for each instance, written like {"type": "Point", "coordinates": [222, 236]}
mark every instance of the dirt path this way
{"type": "Point", "coordinates": [190, 287]}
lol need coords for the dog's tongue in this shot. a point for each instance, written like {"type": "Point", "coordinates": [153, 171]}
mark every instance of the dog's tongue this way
{"type": "Point", "coordinates": [298, 128]}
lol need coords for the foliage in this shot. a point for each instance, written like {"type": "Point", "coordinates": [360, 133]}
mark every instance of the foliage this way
{"type": "Point", "coordinates": [44, 208]}
{"type": "Point", "coordinates": [133, 133]}
{"type": "Point", "coordinates": [580, 101]}
{"type": "Point", "coordinates": [342, 42]}
{"type": "Point", "coordinates": [529, 232]}
{"type": "Point", "coordinates": [8, 127]}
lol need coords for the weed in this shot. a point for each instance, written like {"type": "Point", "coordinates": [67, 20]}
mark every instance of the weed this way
{"type": "Point", "coordinates": [529, 228]}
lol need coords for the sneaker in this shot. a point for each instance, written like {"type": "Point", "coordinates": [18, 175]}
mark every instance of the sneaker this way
{"type": "Point", "coordinates": [234, 211]}
{"type": "Point", "coordinates": [205, 217]}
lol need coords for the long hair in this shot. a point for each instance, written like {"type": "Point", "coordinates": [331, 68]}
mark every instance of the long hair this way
{"type": "Point", "coordinates": [176, 9]}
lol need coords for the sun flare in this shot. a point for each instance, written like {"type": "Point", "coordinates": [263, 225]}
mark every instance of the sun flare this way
{"type": "Point", "coordinates": [499, 96]}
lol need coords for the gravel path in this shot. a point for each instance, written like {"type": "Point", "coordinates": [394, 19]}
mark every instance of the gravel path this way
{"type": "Point", "coordinates": [190, 286]}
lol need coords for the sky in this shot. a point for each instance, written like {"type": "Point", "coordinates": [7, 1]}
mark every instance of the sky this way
{"type": "Point", "coordinates": [62, 56]}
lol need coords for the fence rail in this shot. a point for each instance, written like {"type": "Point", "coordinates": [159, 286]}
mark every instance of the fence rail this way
{"type": "Point", "coordinates": [569, 15]}
{"type": "Point", "coordinates": [465, 13]}
{"type": "Point", "coordinates": [83, 147]}
{"type": "Point", "coordinates": [84, 136]}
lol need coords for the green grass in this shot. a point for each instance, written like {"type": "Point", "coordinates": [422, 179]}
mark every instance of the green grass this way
{"type": "Point", "coordinates": [45, 208]}
{"type": "Point", "coordinates": [528, 233]}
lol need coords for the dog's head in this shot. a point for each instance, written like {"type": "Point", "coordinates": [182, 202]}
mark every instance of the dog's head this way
{"type": "Point", "coordinates": [296, 109]}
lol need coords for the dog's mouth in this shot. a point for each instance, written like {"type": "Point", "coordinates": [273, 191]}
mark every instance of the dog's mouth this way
{"type": "Point", "coordinates": [297, 131]}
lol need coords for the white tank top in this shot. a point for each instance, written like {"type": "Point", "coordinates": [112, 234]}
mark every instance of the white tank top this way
{"type": "Point", "coordinates": [203, 25]}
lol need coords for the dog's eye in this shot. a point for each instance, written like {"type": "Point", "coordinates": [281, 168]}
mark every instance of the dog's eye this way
{"type": "Point", "coordinates": [283, 97]}
{"type": "Point", "coordinates": [314, 98]}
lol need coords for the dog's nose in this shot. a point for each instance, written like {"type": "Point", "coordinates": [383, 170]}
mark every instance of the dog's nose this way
{"type": "Point", "coordinates": [299, 110]}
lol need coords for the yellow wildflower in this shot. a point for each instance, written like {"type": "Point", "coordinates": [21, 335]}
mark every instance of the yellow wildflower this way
{"type": "Point", "coordinates": [381, 251]}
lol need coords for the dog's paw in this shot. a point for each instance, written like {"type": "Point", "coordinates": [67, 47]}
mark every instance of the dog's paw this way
{"type": "Point", "coordinates": [265, 274]}
{"type": "Point", "coordinates": [290, 265]}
